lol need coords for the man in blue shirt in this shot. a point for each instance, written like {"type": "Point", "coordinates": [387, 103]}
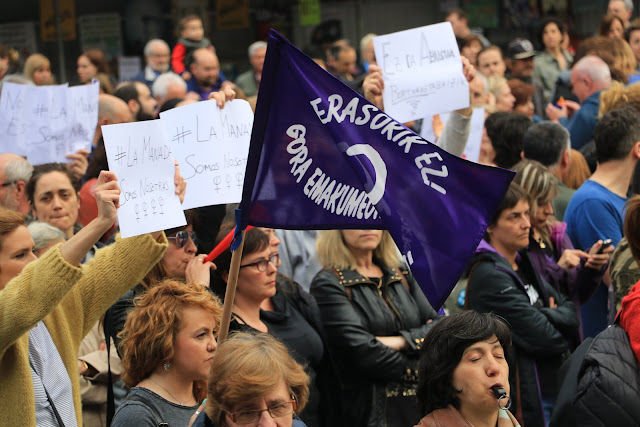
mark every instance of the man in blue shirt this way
{"type": "Point", "coordinates": [595, 210]}
{"type": "Point", "coordinates": [206, 75]}
{"type": "Point", "coordinates": [156, 54]}
{"type": "Point", "coordinates": [589, 77]}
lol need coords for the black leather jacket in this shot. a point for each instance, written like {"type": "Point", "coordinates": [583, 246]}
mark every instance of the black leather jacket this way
{"type": "Point", "coordinates": [354, 311]}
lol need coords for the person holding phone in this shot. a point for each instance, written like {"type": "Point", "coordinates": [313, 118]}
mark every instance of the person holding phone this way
{"type": "Point", "coordinates": [573, 272]}
{"type": "Point", "coordinates": [504, 281]}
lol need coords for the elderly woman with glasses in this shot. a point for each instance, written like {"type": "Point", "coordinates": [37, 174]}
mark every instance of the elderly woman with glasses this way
{"type": "Point", "coordinates": [254, 381]}
{"type": "Point", "coordinates": [179, 262]}
{"type": "Point", "coordinates": [268, 302]}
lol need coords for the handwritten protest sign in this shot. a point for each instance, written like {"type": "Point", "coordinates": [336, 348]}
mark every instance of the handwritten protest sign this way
{"type": "Point", "coordinates": [211, 146]}
{"type": "Point", "coordinates": [82, 104]}
{"type": "Point", "coordinates": [142, 159]}
{"type": "Point", "coordinates": [472, 149]}
{"type": "Point", "coordinates": [45, 123]}
{"type": "Point", "coordinates": [422, 72]}
{"type": "Point", "coordinates": [12, 125]}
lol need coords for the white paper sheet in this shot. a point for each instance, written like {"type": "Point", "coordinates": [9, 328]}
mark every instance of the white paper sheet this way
{"type": "Point", "coordinates": [211, 146]}
{"type": "Point", "coordinates": [45, 123]}
{"type": "Point", "coordinates": [422, 72]}
{"type": "Point", "coordinates": [142, 159]}
{"type": "Point", "coordinates": [472, 149]}
{"type": "Point", "coordinates": [12, 124]}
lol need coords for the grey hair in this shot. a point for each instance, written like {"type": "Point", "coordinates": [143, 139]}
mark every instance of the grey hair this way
{"type": "Point", "coordinates": [628, 4]}
{"type": "Point", "coordinates": [365, 41]}
{"type": "Point", "coordinates": [594, 68]}
{"type": "Point", "coordinates": [17, 79]}
{"type": "Point", "coordinates": [18, 170]}
{"type": "Point", "coordinates": [161, 84]}
{"type": "Point", "coordinates": [44, 234]}
{"type": "Point", "coordinates": [149, 46]}
{"type": "Point", "coordinates": [255, 46]}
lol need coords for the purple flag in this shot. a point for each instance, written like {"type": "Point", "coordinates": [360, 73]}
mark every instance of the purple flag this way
{"type": "Point", "coordinates": [323, 157]}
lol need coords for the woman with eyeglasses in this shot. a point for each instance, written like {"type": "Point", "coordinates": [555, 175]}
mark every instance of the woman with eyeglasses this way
{"type": "Point", "coordinates": [179, 262]}
{"type": "Point", "coordinates": [376, 317]}
{"type": "Point", "coordinates": [254, 381]}
{"type": "Point", "coordinates": [267, 302]}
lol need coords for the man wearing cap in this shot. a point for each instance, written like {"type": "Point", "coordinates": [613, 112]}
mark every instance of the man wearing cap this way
{"type": "Point", "coordinates": [520, 53]}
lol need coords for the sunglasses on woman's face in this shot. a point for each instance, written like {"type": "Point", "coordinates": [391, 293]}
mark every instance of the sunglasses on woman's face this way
{"type": "Point", "coordinates": [182, 238]}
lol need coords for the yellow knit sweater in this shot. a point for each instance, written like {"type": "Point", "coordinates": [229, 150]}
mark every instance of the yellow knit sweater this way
{"type": "Point", "coordinates": [70, 300]}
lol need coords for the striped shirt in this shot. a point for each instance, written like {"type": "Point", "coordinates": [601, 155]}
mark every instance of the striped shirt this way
{"type": "Point", "coordinates": [50, 374]}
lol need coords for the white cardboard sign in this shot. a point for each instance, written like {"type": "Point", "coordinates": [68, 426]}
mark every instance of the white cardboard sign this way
{"type": "Point", "coordinates": [211, 146]}
{"type": "Point", "coordinates": [422, 72]}
{"type": "Point", "coordinates": [142, 159]}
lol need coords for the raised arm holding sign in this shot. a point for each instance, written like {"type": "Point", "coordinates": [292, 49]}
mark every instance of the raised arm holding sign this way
{"type": "Point", "coordinates": [211, 144]}
{"type": "Point", "coordinates": [422, 72]}
{"type": "Point", "coordinates": [144, 162]}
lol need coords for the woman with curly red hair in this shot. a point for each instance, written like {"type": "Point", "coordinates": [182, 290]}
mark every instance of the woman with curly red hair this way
{"type": "Point", "coordinates": [167, 351]}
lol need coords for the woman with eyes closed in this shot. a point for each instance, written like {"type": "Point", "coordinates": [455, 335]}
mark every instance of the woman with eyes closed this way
{"type": "Point", "coordinates": [464, 356]}
{"type": "Point", "coordinates": [266, 302]}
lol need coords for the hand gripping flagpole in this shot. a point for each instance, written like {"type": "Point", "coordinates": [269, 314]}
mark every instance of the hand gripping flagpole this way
{"type": "Point", "coordinates": [236, 247]}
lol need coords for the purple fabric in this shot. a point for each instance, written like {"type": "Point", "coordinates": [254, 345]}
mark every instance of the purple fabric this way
{"type": "Point", "coordinates": [311, 168]}
{"type": "Point", "coordinates": [579, 283]}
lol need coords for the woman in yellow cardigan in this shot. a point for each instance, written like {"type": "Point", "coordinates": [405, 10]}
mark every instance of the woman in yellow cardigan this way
{"type": "Point", "coordinates": [47, 306]}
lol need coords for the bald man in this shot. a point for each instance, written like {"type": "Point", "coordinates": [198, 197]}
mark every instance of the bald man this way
{"type": "Point", "coordinates": [205, 72]}
{"type": "Point", "coordinates": [15, 172]}
{"type": "Point", "coordinates": [111, 110]}
{"type": "Point", "coordinates": [589, 77]}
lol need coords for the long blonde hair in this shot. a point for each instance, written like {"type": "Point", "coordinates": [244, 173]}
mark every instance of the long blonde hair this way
{"type": "Point", "coordinates": [333, 251]}
{"type": "Point", "coordinates": [617, 95]}
{"type": "Point", "coordinates": [539, 183]}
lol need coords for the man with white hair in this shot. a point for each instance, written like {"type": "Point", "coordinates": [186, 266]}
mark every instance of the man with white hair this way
{"type": "Point", "coordinates": [168, 86]}
{"type": "Point", "coordinates": [15, 172]}
{"type": "Point", "coordinates": [157, 55]}
{"type": "Point", "coordinates": [622, 9]}
{"type": "Point", "coordinates": [250, 80]}
{"type": "Point", "coordinates": [589, 77]}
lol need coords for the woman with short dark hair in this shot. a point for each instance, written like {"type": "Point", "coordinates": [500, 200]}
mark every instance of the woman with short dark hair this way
{"type": "Point", "coordinates": [504, 281]}
{"type": "Point", "coordinates": [463, 357]}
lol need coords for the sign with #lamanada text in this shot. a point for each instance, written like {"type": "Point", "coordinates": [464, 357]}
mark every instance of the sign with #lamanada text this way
{"type": "Point", "coordinates": [422, 72]}
{"type": "Point", "coordinates": [143, 161]}
{"type": "Point", "coordinates": [211, 146]}
{"type": "Point", "coordinates": [46, 123]}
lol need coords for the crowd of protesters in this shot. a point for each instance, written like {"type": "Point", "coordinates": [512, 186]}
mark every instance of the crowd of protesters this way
{"type": "Point", "coordinates": [330, 328]}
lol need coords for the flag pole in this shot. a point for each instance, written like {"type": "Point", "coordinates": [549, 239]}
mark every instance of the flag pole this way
{"type": "Point", "coordinates": [230, 294]}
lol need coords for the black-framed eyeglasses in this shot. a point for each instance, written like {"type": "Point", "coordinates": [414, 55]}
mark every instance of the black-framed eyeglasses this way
{"type": "Point", "coordinates": [8, 183]}
{"type": "Point", "coordinates": [262, 264]}
{"type": "Point", "coordinates": [278, 410]}
{"type": "Point", "coordinates": [182, 238]}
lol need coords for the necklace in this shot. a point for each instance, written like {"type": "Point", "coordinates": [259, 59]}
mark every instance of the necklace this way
{"type": "Point", "coordinates": [174, 398]}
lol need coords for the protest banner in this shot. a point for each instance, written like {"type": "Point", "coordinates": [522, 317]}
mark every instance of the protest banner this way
{"type": "Point", "coordinates": [472, 149]}
{"type": "Point", "coordinates": [323, 157]}
{"type": "Point", "coordinates": [211, 146]}
{"type": "Point", "coordinates": [45, 123]}
{"type": "Point", "coordinates": [12, 125]}
{"type": "Point", "coordinates": [422, 72]}
{"type": "Point", "coordinates": [143, 161]}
